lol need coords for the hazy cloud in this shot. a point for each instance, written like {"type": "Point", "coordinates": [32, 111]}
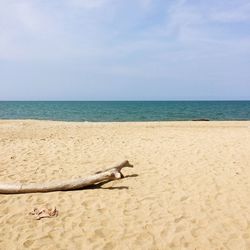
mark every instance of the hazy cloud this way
{"type": "Point", "coordinates": [155, 42]}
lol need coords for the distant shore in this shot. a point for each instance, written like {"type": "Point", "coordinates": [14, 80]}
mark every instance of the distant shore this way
{"type": "Point", "coordinates": [189, 188]}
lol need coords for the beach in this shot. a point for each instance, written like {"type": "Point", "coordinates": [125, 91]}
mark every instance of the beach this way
{"type": "Point", "coordinates": [189, 188]}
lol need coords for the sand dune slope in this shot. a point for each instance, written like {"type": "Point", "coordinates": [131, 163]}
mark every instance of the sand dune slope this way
{"type": "Point", "coordinates": [190, 188]}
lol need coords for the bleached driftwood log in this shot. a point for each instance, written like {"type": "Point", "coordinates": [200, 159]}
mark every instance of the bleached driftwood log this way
{"type": "Point", "coordinates": [104, 175]}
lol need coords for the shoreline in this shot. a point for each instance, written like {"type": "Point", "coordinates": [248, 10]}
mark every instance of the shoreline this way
{"type": "Point", "coordinates": [129, 122]}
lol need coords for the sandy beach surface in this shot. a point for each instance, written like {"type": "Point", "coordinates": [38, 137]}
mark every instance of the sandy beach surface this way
{"type": "Point", "coordinates": [189, 188]}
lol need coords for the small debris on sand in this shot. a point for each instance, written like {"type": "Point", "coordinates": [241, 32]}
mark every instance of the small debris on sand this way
{"type": "Point", "coordinates": [44, 213]}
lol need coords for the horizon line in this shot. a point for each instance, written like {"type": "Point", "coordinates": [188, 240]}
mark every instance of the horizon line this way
{"type": "Point", "coordinates": [133, 100]}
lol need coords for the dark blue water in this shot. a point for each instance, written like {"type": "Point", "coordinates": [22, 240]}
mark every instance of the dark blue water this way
{"type": "Point", "coordinates": [126, 111]}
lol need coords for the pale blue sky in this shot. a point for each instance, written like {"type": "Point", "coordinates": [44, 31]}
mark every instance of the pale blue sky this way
{"type": "Point", "coordinates": [124, 49]}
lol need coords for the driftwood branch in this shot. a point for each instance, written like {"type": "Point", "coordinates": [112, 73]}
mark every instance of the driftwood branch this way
{"type": "Point", "coordinates": [104, 175]}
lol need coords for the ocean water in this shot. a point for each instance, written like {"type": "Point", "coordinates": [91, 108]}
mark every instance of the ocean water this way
{"type": "Point", "coordinates": [102, 111]}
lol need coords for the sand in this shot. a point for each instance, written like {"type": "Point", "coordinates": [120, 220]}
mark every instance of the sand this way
{"type": "Point", "coordinates": [189, 189]}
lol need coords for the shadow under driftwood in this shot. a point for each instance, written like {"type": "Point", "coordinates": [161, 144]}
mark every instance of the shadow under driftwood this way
{"type": "Point", "coordinates": [100, 185]}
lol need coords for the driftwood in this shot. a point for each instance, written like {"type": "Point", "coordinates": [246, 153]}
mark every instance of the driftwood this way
{"type": "Point", "coordinates": [104, 175]}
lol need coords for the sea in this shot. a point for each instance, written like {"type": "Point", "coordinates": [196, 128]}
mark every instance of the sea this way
{"type": "Point", "coordinates": [122, 111]}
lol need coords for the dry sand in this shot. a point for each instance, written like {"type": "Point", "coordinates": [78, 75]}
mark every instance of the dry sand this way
{"type": "Point", "coordinates": [190, 188]}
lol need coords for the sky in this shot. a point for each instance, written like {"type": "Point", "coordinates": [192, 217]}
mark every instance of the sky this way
{"type": "Point", "coordinates": [124, 50]}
